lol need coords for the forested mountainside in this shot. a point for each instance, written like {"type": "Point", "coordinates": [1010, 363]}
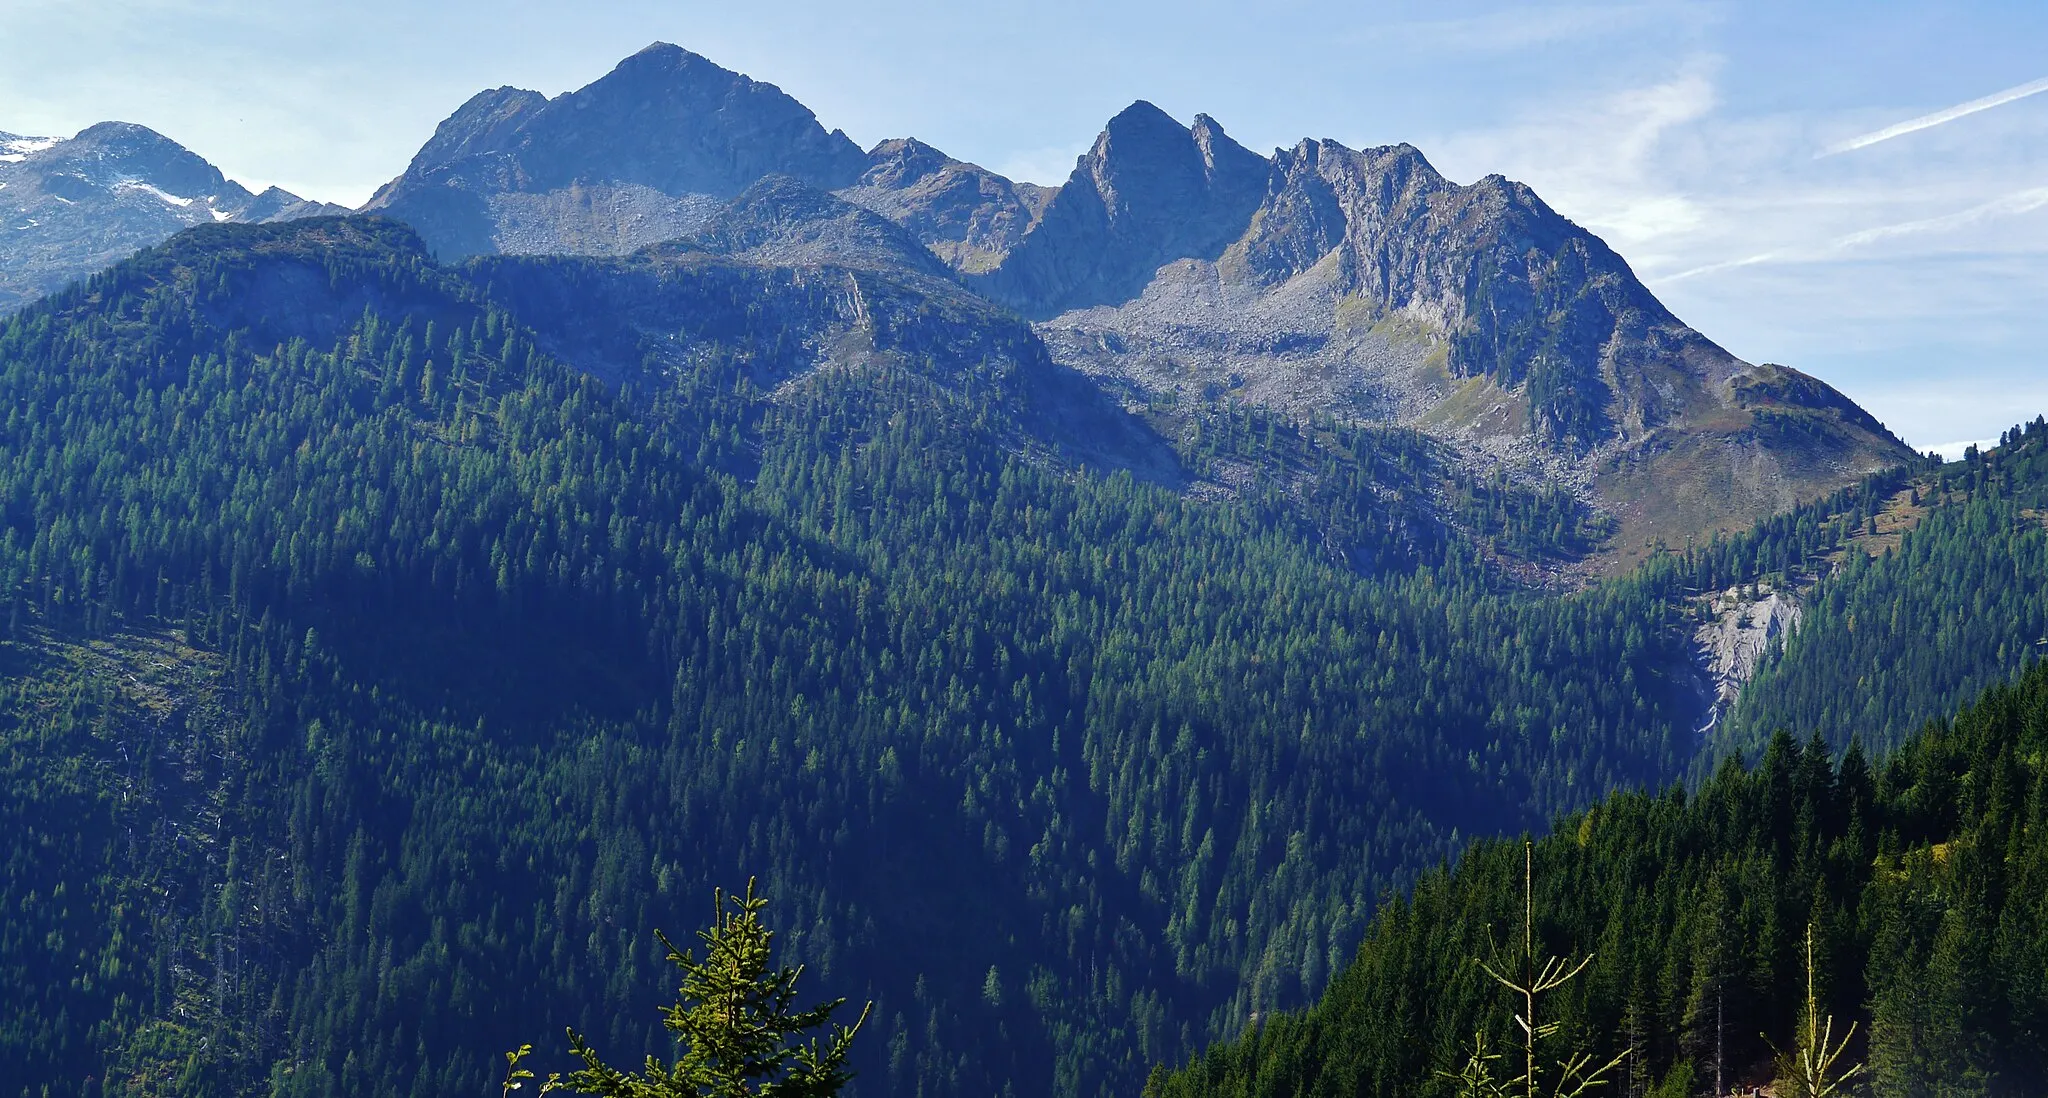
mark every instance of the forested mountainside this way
{"type": "Point", "coordinates": [1916, 589]}
{"type": "Point", "coordinates": [377, 679]}
{"type": "Point", "coordinates": [1955, 598]}
{"type": "Point", "coordinates": [1924, 878]}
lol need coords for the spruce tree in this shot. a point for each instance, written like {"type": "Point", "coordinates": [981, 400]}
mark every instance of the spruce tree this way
{"type": "Point", "coordinates": [736, 1019]}
{"type": "Point", "coordinates": [1529, 981]}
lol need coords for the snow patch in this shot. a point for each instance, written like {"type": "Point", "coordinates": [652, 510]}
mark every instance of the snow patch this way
{"type": "Point", "coordinates": [138, 185]}
{"type": "Point", "coordinates": [14, 150]}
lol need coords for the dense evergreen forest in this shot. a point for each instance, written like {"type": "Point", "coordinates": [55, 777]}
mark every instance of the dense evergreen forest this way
{"type": "Point", "coordinates": [377, 680]}
{"type": "Point", "coordinates": [390, 648]}
{"type": "Point", "coordinates": [1924, 879]}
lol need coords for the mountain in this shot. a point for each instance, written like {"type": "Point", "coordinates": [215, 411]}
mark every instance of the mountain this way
{"type": "Point", "coordinates": [1148, 192]}
{"type": "Point", "coordinates": [1365, 284]}
{"type": "Point", "coordinates": [391, 637]}
{"type": "Point", "coordinates": [1921, 881]}
{"type": "Point", "coordinates": [73, 206]}
{"type": "Point", "coordinates": [643, 155]}
{"type": "Point", "coordinates": [391, 645]}
{"type": "Point", "coordinates": [1174, 264]}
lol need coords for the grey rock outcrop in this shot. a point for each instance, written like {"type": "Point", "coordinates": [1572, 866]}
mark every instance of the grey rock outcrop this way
{"type": "Point", "coordinates": [1732, 645]}
{"type": "Point", "coordinates": [70, 207]}
{"type": "Point", "coordinates": [967, 215]}
{"type": "Point", "coordinates": [647, 153]}
{"type": "Point", "coordinates": [779, 221]}
{"type": "Point", "coordinates": [1148, 192]}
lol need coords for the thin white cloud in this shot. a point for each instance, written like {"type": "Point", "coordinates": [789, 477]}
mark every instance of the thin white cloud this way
{"type": "Point", "coordinates": [2018, 202]}
{"type": "Point", "coordinates": [1599, 160]}
{"type": "Point", "coordinates": [1726, 265]}
{"type": "Point", "coordinates": [1928, 121]}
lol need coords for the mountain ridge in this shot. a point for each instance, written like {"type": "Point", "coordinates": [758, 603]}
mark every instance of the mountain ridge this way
{"type": "Point", "coordinates": [72, 206]}
{"type": "Point", "coordinates": [1176, 267]}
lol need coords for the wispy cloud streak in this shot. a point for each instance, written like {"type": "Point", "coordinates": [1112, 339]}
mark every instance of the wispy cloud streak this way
{"type": "Point", "coordinates": [2017, 203]}
{"type": "Point", "coordinates": [1928, 121]}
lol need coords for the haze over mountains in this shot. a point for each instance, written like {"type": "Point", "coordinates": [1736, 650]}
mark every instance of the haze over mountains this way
{"type": "Point", "coordinates": [1174, 264]}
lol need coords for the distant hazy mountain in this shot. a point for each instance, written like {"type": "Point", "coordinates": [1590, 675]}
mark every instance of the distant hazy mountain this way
{"type": "Point", "coordinates": [71, 207]}
{"type": "Point", "coordinates": [643, 155]}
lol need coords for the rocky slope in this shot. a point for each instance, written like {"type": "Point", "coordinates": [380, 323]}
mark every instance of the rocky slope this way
{"type": "Point", "coordinates": [967, 215]}
{"type": "Point", "coordinates": [69, 207]}
{"type": "Point", "coordinates": [1741, 630]}
{"type": "Point", "coordinates": [1363, 283]}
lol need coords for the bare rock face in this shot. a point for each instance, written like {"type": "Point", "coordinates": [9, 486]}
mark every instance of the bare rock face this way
{"type": "Point", "coordinates": [645, 154]}
{"type": "Point", "coordinates": [1744, 628]}
{"type": "Point", "coordinates": [70, 207]}
{"type": "Point", "coordinates": [1147, 193]}
{"type": "Point", "coordinates": [781, 222]}
{"type": "Point", "coordinates": [967, 215]}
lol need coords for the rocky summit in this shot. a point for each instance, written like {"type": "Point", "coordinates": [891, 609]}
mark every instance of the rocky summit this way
{"type": "Point", "coordinates": [70, 207]}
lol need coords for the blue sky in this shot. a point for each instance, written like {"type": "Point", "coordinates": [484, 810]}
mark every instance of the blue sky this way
{"type": "Point", "coordinates": [1910, 271]}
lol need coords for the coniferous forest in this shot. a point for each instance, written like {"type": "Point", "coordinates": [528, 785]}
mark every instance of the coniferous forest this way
{"type": "Point", "coordinates": [1923, 879]}
{"type": "Point", "coordinates": [391, 647]}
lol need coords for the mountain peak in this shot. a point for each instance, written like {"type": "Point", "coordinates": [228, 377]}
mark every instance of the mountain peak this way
{"type": "Point", "coordinates": [659, 49]}
{"type": "Point", "coordinates": [643, 153]}
{"type": "Point", "coordinates": [966, 215]}
{"type": "Point", "coordinates": [902, 161]}
{"type": "Point", "coordinates": [1141, 114]}
{"type": "Point", "coordinates": [1148, 191]}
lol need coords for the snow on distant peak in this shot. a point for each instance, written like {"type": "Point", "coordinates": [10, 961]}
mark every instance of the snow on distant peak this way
{"type": "Point", "coordinates": [14, 150]}
{"type": "Point", "coordinates": [138, 185]}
